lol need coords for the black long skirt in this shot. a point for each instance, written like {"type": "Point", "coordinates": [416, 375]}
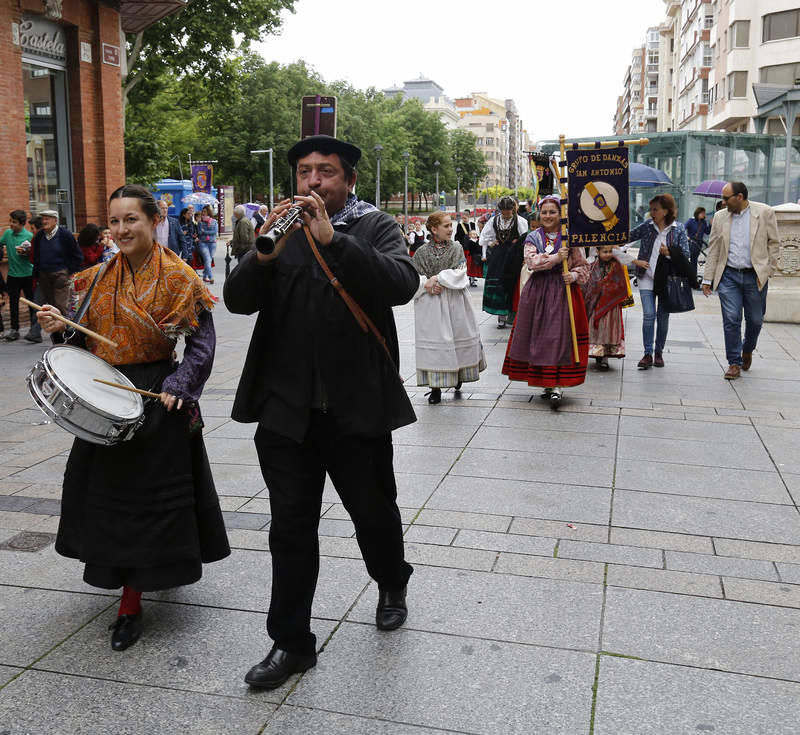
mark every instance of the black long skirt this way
{"type": "Point", "coordinates": [145, 512]}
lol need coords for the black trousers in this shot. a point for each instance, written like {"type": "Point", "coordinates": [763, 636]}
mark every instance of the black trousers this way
{"type": "Point", "coordinates": [362, 473]}
{"type": "Point", "coordinates": [16, 285]}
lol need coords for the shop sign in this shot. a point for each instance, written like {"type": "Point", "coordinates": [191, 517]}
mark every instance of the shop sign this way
{"type": "Point", "coordinates": [39, 37]}
{"type": "Point", "coordinates": [110, 54]}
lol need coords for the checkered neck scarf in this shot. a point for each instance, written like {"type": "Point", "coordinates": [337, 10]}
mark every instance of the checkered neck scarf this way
{"type": "Point", "coordinates": [352, 210]}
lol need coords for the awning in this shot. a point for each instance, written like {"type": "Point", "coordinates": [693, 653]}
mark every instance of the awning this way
{"type": "Point", "coordinates": [136, 16]}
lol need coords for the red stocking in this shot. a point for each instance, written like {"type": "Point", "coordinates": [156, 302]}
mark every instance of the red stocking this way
{"type": "Point", "coordinates": [131, 602]}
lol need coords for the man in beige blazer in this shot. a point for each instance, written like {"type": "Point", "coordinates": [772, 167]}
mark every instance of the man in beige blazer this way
{"type": "Point", "coordinates": [742, 255]}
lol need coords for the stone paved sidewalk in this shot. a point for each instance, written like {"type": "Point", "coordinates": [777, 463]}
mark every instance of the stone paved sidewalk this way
{"type": "Point", "coordinates": [629, 564]}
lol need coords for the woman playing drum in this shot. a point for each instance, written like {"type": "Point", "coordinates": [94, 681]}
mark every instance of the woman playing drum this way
{"type": "Point", "coordinates": [143, 514]}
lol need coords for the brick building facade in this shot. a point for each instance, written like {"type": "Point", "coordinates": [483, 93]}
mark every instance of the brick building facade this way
{"type": "Point", "coordinates": [62, 136]}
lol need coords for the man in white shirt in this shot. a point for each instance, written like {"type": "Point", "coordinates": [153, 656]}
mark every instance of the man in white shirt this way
{"type": "Point", "coordinates": [742, 254]}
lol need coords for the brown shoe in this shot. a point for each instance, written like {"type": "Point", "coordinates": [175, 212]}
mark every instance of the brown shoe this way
{"type": "Point", "coordinates": [645, 362]}
{"type": "Point", "coordinates": [747, 360]}
{"type": "Point", "coordinates": [733, 372]}
{"type": "Point", "coordinates": [659, 360]}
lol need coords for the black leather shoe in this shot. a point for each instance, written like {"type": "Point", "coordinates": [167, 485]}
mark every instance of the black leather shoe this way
{"type": "Point", "coordinates": [277, 667]}
{"type": "Point", "coordinates": [127, 629]}
{"type": "Point", "coordinates": [391, 612]}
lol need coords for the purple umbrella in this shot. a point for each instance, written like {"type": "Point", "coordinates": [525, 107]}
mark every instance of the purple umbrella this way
{"type": "Point", "coordinates": [711, 188]}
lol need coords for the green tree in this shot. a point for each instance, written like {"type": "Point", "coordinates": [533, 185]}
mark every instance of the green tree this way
{"type": "Point", "coordinates": [464, 154]}
{"type": "Point", "coordinates": [199, 40]}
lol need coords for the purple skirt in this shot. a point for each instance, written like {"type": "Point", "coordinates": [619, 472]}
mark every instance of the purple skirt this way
{"type": "Point", "coordinates": [542, 335]}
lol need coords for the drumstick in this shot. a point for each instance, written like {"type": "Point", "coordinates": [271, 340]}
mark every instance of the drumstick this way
{"type": "Point", "coordinates": [74, 325]}
{"type": "Point", "coordinates": [128, 388]}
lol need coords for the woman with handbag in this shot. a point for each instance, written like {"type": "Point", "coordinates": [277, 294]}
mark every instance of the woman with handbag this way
{"type": "Point", "coordinates": [663, 254]}
{"type": "Point", "coordinates": [207, 245]}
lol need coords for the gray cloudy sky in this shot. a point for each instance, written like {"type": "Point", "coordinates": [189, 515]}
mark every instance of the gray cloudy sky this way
{"type": "Point", "coordinates": [563, 62]}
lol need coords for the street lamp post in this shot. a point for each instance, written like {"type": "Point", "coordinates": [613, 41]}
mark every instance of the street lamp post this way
{"type": "Point", "coordinates": [271, 196]}
{"type": "Point", "coordinates": [406, 155]}
{"type": "Point", "coordinates": [378, 149]}
{"type": "Point", "coordinates": [436, 165]}
{"type": "Point", "coordinates": [458, 189]}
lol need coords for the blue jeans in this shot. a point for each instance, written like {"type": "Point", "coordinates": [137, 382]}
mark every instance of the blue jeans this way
{"type": "Point", "coordinates": [207, 250]}
{"type": "Point", "coordinates": [738, 292]}
{"type": "Point", "coordinates": [648, 299]}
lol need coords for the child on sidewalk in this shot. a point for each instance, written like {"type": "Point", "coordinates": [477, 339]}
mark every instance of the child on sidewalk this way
{"type": "Point", "coordinates": [605, 294]}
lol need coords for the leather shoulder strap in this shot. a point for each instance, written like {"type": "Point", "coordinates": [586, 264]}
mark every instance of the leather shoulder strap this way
{"type": "Point", "coordinates": [358, 313]}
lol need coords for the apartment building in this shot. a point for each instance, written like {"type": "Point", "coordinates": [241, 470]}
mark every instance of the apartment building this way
{"type": "Point", "coordinates": [432, 97]}
{"type": "Point", "coordinates": [753, 41]}
{"type": "Point", "coordinates": [630, 116]}
{"type": "Point", "coordinates": [486, 118]}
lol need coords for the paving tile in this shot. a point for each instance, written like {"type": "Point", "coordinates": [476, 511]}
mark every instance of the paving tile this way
{"type": "Point", "coordinates": [7, 673]}
{"type": "Point", "coordinates": [515, 543]}
{"type": "Point", "coordinates": [696, 431]}
{"type": "Point", "coordinates": [41, 490]}
{"type": "Point", "coordinates": [243, 581]}
{"type": "Point", "coordinates": [242, 538]}
{"type": "Point", "coordinates": [570, 469]}
{"type": "Point", "coordinates": [533, 499]}
{"type": "Point", "coordinates": [336, 546]}
{"type": "Point", "coordinates": [661, 580]}
{"type": "Point", "coordinates": [525, 440]}
{"type": "Point", "coordinates": [50, 471]}
{"type": "Point", "coordinates": [253, 521]}
{"type": "Point", "coordinates": [558, 421]}
{"type": "Point", "coordinates": [511, 688]}
{"type": "Point", "coordinates": [789, 572]}
{"type": "Point", "coordinates": [49, 617]}
{"type": "Point", "coordinates": [17, 502]}
{"type": "Point", "coordinates": [434, 435]}
{"type": "Point", "coordinates": [754, 550]}
{"type": "Point", "coordinates": [456, 602]}
{"type": "Point", "coordinates": [656, 540]}
{"type": "Point", "coordinates": [707, 517]}
{"type": "Point", "coordinates": [648, 698]}
{"type": "Point", "coordinates": [763, 593]}
{"type": "Point", "coordinates": [550, 568]}
{"type": "Point", "coordinates": [704, 454]}
{"type": "Point", "coordinates": [231, 502]}
{"type": "Point", "coordinates": [448, 556]}
{"type": "Point", "coordinates": [559, 529]}
{"type": "Point", "coordinates": [449, 414]}
{"type": "Point", "coordinates": [20, 520]}
{"type": "Point", "coordinates": [430, 535]}
{"type": "Point", "coordinates": [721, 565]}
{"type": "Point", "coordinates": [424, 460]}
{"type": "Point", "coordinates": [459, 519]}
{"type": "Point", "coordinates": [711, 482]}
{"type": "Point", "coordinates": [10, 488]}
{"type": "Point", "coordinates": [38, 699]}
{"type": "Point", "coordinates": [237, 479]}
{"type": "Point", "coordinates": [617, 554]}
{"type": "Point", "coordinates": [231, 451]}
{"type": "Point", "coordinates": [331, 527]}
{"type": "Point", "coordinates": [315, 722]}
{"type": "Point", "coordinates": [232, 430]}
{"type": "Point", "coordinates": [696, 631]}
{"type": "Point", "coordinates": [47, 507]}
{"type": "Point", "coordinates": [187, 647]}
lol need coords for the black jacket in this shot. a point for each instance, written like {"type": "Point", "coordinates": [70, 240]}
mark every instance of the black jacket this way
{"type": "Point", "coordinates": [306, 343]}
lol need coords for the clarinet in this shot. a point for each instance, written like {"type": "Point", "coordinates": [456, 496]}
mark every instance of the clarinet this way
{"type": "Point", "coordinates": [266, 243]}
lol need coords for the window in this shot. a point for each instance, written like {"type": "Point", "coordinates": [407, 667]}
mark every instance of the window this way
{"type": "Point", "coordinates": [781, 25]}
{"type": "Point", "coordinates": [785, 74]}
{"type": "Point", "coordinates": [479, 141]}
{"type": "Point", "coordinates": [708, 58]}
{"type": "Point", "coordinates": [490, 141]}
{"type": "Point", "coordinates": [737, 85]}
{"type": "Point", "coordinates": [740, 34]}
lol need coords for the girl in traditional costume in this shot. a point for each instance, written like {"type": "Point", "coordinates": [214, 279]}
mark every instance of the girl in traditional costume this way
{"type": "Point", "coordinates": [606, 293]}
{"type": "Point", "coordinates": [497, 241]}
{"type": "Point", "coordinates": [143, 514]}
{"type": "Point", "coordinates": [448, 344]}
{"type": "Point", "coordinates": [540, 350]}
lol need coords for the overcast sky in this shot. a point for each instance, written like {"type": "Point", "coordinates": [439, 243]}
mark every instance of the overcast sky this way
{"type": "Point", "coordinates": [562, 62]}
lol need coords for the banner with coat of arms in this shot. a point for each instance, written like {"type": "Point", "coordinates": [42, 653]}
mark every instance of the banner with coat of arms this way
{"type": "Point", "coordinates": [599, 211]}
{"type": "Point", "coordinates": [202, 177]}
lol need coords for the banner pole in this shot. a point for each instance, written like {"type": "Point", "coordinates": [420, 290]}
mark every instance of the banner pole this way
{"type": "Point", "coordinates": [562, 179]}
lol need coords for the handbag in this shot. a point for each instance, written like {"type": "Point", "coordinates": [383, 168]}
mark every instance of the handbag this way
{"type": "Point", "coordinates": [678, 295]}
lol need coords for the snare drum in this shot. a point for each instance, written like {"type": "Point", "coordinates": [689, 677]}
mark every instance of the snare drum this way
{"type": "Point", "coordinates": [62, 385]}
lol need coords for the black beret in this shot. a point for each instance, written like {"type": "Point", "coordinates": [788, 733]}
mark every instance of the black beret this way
{"type": "Point", "coordinates": [326, 145]}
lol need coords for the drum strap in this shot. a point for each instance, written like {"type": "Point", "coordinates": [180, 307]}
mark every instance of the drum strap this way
{"type": "Point", "coordinates": [88, 298]}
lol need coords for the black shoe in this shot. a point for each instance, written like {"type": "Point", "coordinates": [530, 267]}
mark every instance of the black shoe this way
{"type": "Point", "coordinates": [127, 629]}
{"type": "Point", "coordinates": [33, 338]}
{"type": "Point", "coordinates": [555, 399]}
{"type": "Point", "coordinates": [457, 389]}
{"type": "Point", "coordinates": [277, 667]}
{"type": "Point", "coordinates": [391, 611]}
{"type": "Point", "coordinates": [435, 396]}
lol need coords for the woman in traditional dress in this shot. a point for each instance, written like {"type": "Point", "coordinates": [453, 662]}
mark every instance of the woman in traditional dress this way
{"type": "Point", "coordinates": [448, 344]}
{"type": "Point", "coordinates": [497, 240]}
{"type": "Point", "coordinates": [143, 514]}
{"type": "Point", "coordinates": [540, 351]}
{"type": "Point", "coordinates": [606, 293]}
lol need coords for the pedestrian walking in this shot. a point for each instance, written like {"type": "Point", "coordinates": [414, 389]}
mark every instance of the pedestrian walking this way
{"type": "Point", "coordinates": [326, 393]}
{"type": "Point", "coordinates": [243, 239]}
{"type": "Point", "coordinates": [143, 514]}
{"type": "Point", "coordinates": [447, 341]}
{"type": "Point", "coordinates": [697, 228]}
{"type": "Point", "coordinates": [497, 240]}
{"type": "Point", "coordinates": [56, 254]}
{"type": "Point", "coordinates": [742, 255]}
{"type": "Point", "coordinates": [17, 242]}
{"type": "Point", "coordinates": [207, 241]}
{"type": "Point", "coordinates": [662, 240]}
{"type": "Point", "coordinates": [540, 351]}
